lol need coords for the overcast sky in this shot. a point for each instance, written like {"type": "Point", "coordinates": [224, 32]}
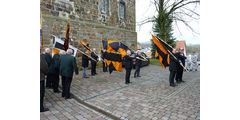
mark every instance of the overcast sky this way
{"type": "Point", "coordinates": [145, 9]}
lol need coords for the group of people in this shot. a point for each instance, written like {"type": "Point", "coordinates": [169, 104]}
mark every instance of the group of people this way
{"type": "Point", "coordinates": [191, 62]}
{"type": "Point", "coordinates": [177, 64]}
{"type": "Point", "coordinates": [63, 64]}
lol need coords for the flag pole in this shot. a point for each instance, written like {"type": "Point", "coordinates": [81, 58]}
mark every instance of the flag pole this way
{"type": "Point", "coordinates": [176, 59]}
{"type": "Point", "coordinates": [162, 41]}
{"type": "Point", "coordinates": [86, 55]}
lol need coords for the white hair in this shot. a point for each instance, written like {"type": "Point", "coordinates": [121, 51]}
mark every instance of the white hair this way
{"type": "Point", "coordinates": [128, 51]}
{"type": "Point", "coordinates": [62, 52]}
{"type": "Point", "coordinates": [69, 51]}
{"type": "Point", "coordinates": [47, 50]}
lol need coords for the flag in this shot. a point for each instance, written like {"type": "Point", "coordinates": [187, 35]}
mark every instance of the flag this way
{"type": "Point", "coordinates": [59, 45]}
{"type": "Point", "coordinates": [112, 58]}
{"type": "Point", "coordinates": [113, 61]}
{"type": "Point", "coordinates": [162, 51]}
{"type": "Point", "coordinates": [66, 41]}
{"type": "Point", "coordinates": [86, 46]}
{"type": "Point", "coordinates": [114, 46]}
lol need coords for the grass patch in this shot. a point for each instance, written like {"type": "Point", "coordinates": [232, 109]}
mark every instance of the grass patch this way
{"type": "Point", "coordinates": [154, 61]}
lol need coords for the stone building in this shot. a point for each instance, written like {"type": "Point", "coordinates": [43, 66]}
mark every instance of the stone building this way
{"type": "Point", "coordinates": [90, 21]}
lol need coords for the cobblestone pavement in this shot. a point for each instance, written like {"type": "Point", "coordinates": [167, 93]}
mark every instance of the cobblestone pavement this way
{"type": "Point", "coordinates": [61, 109]}
{"type": "Point", "coordinates": [148, 97]}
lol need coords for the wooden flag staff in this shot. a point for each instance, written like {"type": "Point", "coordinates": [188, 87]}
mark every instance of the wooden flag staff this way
{"type": "Point", "coordinates": [86, 55]}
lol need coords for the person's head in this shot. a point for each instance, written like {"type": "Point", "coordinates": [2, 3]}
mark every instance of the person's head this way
{"type": "Point", "coordinates": [139, 52]}
{"type": "Point", "coordinates": [62, 52]}
{"type": "Point", "coordinates": [128, 52]}
{"type": "Point", "coordinates": [94, 49]}
{"type": "Point", "coordinates": [47, 50]}
{"type": "Point", "coordinates": [181, 50]}
{"type": "Point", "coordinates": [69, 51]}
{"type": "Point", "coordinates": [174, 50]}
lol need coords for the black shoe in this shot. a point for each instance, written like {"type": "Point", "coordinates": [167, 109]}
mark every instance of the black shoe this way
{"type": "Point", "coordinates": [134, 76]}
{"type": "Point", "coordinates": [139, 76]}
{"type": "Point", "coordinates": [63, 95]}
{"type": "Point", "coordinates": [95, 73]}
{"type": "Point", "coordinates": [44, 110]}
{"type": "Point", "coordinates": [69, 97]}
{"type": "Point", "coordinates": [178, 82]}
{"type": "Point", "coordinates": [57, 91]}
{"type": "Point", "coordinates": [172, 85]}
{"type": "Point", "coordinates": [182, 81]}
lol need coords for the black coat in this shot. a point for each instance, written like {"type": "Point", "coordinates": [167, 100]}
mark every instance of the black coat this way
{"type": "Point", "coordinates": [48, 59]}
{"type": "Point", "coordinates": [182, 58]}
{"type": "Point", "coordinates": [128, 62]}
{"type": "Point", "coordinates": [68, 66]}
{"type": "Point", "coordinates": [173, 63]}
{"type": "Point", "coordinates": [94, 56]}
{"type": "Point", "coordinates": [55, 64]}
{"type": "Point", "coordinates": [138, 62]}
{"type": "Point", "coordinates": [85, 60]}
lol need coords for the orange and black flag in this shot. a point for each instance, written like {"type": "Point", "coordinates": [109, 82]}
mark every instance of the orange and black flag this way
{"type": "Point", "coordinates": [114, 46]}
{"type": "Point", "coordinates": [86, 46]}
{"type": "Point", "coordinates": [113, 61]}
{"type": "Point", "coordinates": [162, 52]}
{"type": "Point", "coordinates": [114, 52]}
{"type": "Point", "coordinates": [67, 38]}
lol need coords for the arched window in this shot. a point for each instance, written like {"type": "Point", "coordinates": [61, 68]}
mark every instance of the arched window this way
{"type": "Point", "coordinates": [122, 7]}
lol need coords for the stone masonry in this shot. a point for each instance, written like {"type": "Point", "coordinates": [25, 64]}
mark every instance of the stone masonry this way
{"type": "Point", "coordinates": [88, 23]}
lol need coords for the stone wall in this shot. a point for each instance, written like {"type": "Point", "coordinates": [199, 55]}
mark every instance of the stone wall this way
{"type": "Point", "coordinates": [87, 23]}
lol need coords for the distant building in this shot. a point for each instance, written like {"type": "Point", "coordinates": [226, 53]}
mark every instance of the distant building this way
{"type": "Point", "coordinates": [181, 44]}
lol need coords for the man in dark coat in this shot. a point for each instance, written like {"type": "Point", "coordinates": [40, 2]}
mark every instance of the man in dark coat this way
{"type": "Point", "coordinates": [85, 60]}
{"type": "Point", "coordinates": [67, 67]}
{"type": "Point", "coordinates": [48, 58]}
{"type": "Point", "coordinates": [180, 55]}
{"type": "Point", "coordinates": [173, 68]}
{"type": "Point", "coordinates": [103, 62]}
{"type": "Point", "coordinates": [93, 63]}
{"type": "Point", "coordinates": [55, 72]}
{"type": "Point", "coordinates": [43, 72]}
{"type": "Point", "coordinates": [128, 66]}
{"type": "Point", "coordinates": [138, 64]}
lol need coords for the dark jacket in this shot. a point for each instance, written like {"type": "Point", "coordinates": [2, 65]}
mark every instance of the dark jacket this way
{"type": "Point", "coordinates": [182, 58]}
{"type": "Point", "coordinates": [173, 63]}
{"type": "Point", "coordinates": [128, 62]}
{"type": "Point", "coordinates": [68, 65]}
{"type": "Point", "coordinates": [138, 62]}
{"type": "Point", "coordinates": [43, 67]}
{"type": "Point", "coordinates": [55, 65]}
{"type": "Point", "coordinates": [85, 60]}
{"type": "Point", "coordinates": [94, 56]}
{"type": "Point", "coordinates": [48, 59]}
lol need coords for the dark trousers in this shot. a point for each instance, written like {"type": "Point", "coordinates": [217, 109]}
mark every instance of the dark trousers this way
{"type": "Point", "coordinates": [93, 69]}
{"type": "Point", "coordinates": [179, 75]}
{"type": "Point", "coordinates": [127, 77]}
{"type": "Point", "coordinates": [49, 81]}
{"type": "Point", "coordinates": [171, 77]}
{"type": "Point", "coordinates": [104, 67]}
{"type": "Point", "coordinates": [137, 71]}
{"type": "Point", "coordinates": [66, 84]}
{"type": "Point", "coordinates": [55, 83]}
{"type": "Point", "coordinates": [42, 92]}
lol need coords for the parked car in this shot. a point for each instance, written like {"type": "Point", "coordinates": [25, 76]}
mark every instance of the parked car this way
{"type": "Point", "coordinates": [144, 63]}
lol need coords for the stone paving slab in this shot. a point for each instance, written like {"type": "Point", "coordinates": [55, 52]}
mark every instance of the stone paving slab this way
{"type": "Point", "coordinates": [148, 97]}
{"type": "Point", "coordinates": [61, 109]}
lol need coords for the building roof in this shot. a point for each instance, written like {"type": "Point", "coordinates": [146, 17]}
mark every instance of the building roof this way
{"type": "Point", "coordinates": [181, 44]}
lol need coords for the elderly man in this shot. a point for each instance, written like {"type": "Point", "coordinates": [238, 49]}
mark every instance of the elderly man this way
{"type": "Point", "coordinates": [138, 64]}
{"type": "Point", "coordinates": [48, 58]}
{"type": "Point", "coordinates": [43, 73]}
{"type": "Point", "coordinates": [93, 63]}
{"type": "Point", "coordinates": [128, 66]}
{"type": "Point", "coordinates": [173, 68]}
{"type": "Point", "coordinates": [180, 55]}
{"type": "Point", "coordinates": [67, 67]}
